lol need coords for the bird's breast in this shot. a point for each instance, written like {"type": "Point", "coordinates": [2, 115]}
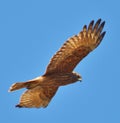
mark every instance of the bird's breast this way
{"type": "Point", "coordinates": [59, 79]}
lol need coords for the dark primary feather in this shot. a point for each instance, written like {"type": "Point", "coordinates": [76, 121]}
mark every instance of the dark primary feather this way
{"type": "Point", "coordinates": [76, 48]}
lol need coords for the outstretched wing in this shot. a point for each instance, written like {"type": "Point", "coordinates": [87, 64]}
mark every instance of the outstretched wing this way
{"type": "Point", "coordinates": [37, 97]}
{"type": "Point", "coordinates": [76, 48]}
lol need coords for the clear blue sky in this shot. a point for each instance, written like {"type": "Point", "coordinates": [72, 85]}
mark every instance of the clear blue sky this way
{"type": "Point", "coordinates": [31, 31]}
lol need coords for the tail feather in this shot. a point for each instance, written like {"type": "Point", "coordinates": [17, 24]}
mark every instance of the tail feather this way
{"type": "Point", "coordinates": [18, 85]}
{"type": "Point", "coordinates": [29, 84]}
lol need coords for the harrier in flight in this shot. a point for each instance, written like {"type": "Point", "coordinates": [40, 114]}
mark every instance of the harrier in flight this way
{"type": "Point", "coordinates": [59, 71]}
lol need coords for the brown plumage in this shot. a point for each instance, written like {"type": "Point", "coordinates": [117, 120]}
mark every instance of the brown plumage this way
{"type": "Point", "coordinates": [59, 72]}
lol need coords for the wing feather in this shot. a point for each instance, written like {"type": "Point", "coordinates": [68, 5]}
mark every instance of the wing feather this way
{"type": "Point", "coordinates": [37, 97]}
{"type": "Point", "coordinates": [76, 48]}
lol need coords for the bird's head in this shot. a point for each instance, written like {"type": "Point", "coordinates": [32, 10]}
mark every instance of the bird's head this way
{"type": "Point", "coordinates": [77, 76]}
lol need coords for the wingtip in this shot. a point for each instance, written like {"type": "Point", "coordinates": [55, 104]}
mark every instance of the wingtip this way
{"type": "Point", "coordinates": [18, 106]}
{"type": "Point", "coordinates": [97, 23]}
{"type": "Point", "coordinates": [99, 20]}
{"type": "Point", "coordinates": [103, 23]}
{"type": "Point", "coordinates": [103, 34]}
{"type": "Point", "coordinates": [92, 22]}
{"type": "Point", "coordinates": [85, 28]}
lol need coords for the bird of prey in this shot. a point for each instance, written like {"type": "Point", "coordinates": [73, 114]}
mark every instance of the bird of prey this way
{"type": "Point", "coordinates": [59, 71]}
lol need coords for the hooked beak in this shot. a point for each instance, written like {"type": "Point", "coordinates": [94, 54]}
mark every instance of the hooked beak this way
{"type": "Point", "coordinates": [80, 79]}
